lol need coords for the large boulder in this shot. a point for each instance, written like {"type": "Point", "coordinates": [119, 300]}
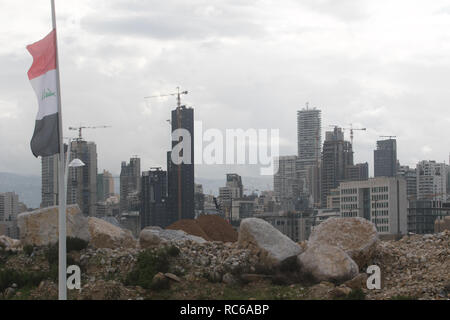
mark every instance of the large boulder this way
{"type": "Point", "coordinates": [154, 236]}
{"type": "Point", "coordinates": [274, 247]}
{"type": "Point", "coordinates": [356, 236]}
{"type": "Point", "coordinates": [40, 227]}
{"type": "Point", "coordinates": [323, 262]}
{"type": "Point", "coordinates": [106, 235]}
{"type": "Point", "coordinates": [9, 244]}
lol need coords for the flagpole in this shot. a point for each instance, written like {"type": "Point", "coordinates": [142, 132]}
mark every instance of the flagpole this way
{"type": "Point", "coordinates": [62, 273]}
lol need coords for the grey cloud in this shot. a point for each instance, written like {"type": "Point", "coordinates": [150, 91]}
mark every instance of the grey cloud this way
{"type": "Point", "coordinates": [246, 84]}
{"type": "Point", "coordinates": [176, 21]}
{"type": "Point", "coordinates": [344, 10]}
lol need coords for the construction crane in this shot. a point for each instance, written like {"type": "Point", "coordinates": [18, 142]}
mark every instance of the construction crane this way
{"type": "Point", "coordinates": [86, 127]}
{"type": "Point", "coordinates": [178, 116]}
{"type": "Point", "coordinates": [351, 130]}
{"type": "Point", "coordinates": [390, 137]}
{"type": "Point", "coordinates": [178, 94]}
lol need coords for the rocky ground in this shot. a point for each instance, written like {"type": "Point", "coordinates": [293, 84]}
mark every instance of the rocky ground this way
{"type": "Point", "coordinates": [261, 264]}
{"type": "Point", "coordinates": [415, 267]}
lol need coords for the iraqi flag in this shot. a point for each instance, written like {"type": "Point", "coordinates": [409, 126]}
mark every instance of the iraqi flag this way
{"type": "Point", "coordinates": [43, 78]}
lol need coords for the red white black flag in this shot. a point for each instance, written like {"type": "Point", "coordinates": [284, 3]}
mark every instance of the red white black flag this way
{"type": "Point", "coordinates": [43, 78]}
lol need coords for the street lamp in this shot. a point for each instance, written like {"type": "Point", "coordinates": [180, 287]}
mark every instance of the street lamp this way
{"type": "Point", "coordinates": [75, 163]}
{"type": "Point", "coordinates": [62, 250]}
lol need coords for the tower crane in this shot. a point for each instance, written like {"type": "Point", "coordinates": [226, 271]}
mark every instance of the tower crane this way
{"type": "Point", "coordinates": [178, 94]}
{"type": "Point", "coordinates": [86, 127]}
{"type": "Point", "coordinates": [178, 116]}
{"type": "Point", "coordinates": [351, 130]}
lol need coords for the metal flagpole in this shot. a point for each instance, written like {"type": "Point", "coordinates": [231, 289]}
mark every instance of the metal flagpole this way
{"type": "Point", "coordinates": [62, 273]}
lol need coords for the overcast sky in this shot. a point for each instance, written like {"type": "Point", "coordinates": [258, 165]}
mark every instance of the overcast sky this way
{"type": "Point", "coordinates": [383, 65]}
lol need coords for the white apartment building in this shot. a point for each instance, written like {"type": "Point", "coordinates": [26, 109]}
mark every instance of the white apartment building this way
{"type": "Point", "coordinates": [9, 206]}
{"type": "Point", "coordinates": [9, 209]}
{"type": "Point", "coordinates": [381, 200]}
{"type": "Point", "coordinates": [431, 181]}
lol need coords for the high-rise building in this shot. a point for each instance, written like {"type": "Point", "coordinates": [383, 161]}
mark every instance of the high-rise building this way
{"type": "Point", "coordinates": [233, 190]}
{"type": "Point", "coordinates": [199, 200]}
{"type": "Point", "coordinates": [9, 206]}
{"type": "Point", "coordinates": [309, 140]}
{"type": "Point", "coordinates": [181, 176]}
{"type": "Point", "coordinates": [357, 172]}
{"type": "Point", "coordinates": [381, 200]}
{"type": "Point", "coordinates": [286, 183]}
{"type": "Point", "coordinates": [385, 158]}
{"type": "Point", "coordinates": [130, 185]}
{"type": "Point", "coordinates": [424, 215]}
{"type": "Point", "coordinates": [154, 199]}
{"type": "Point", "coordinates": [337, 155]}
{"type": "Point", "coordinates": [49, 180]}
{"type": "Point", "coordinates": [313, 181]}
{"type": "Point", "coordinates": [234, 182]}
{"type": "Point", "coordinates": [82, 181]}
{"type": "Point", "coordinates": [105, 185]}
{"type": "Point", "coordinates": [410, 176]}
{"type": "Point", "coordinates": [431, 180]}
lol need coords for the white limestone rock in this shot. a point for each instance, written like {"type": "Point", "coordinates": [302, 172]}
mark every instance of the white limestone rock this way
{"type": "Point", "coordinates": [154, 236]}
{"type": "Point", "coordinates": [356, 236]}
{"type": "Point", "coordinates": [327, 263]}
{"type": "Point", "coordinates": [40, 227]}
{"type": "Point", "coordinates": [274, 246]}
{"type": "Point", "coordinates": [106, 235]}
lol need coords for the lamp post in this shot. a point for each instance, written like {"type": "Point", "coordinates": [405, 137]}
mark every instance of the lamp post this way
{"type": "Point", "coordinates": [75, 163]}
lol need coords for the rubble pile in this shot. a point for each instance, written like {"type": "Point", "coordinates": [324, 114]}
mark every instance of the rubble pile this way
{"type": "Point", "coordinates": [189, 226]}
{"type": "Point", "coordinates": [330, 265]}
{"type": "Point", "coordinates": [208, 227]}
{"type": "Point", "coordinates": [217, 228]}
{"type": "Point", "coordinates": [416, 266]}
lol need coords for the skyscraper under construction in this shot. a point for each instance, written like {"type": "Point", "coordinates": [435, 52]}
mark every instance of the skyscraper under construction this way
{"type": "Point", "coordinates": [180, 177]}
{"type": "Point", "coordinates": [309, 141]}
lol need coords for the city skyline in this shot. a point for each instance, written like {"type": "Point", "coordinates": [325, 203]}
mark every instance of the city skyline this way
{"type": "Point", "coordinates": [391, 84]}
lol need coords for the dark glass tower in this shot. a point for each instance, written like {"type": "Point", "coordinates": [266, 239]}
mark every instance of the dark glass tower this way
{"type": "Point", "coordinates": [130, 184]}
{"type": "Point", "coordinates": [181, 177]}
{"type": "Point", "coordinates": [337, 155]}
{"type": "Point", "coordinates": [154, 199]}
{"type": "Point", "coordinates": [385, 158]}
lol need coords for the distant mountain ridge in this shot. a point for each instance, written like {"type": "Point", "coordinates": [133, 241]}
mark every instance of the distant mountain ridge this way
{"type": "Point", "coordinates": [28, 187]}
